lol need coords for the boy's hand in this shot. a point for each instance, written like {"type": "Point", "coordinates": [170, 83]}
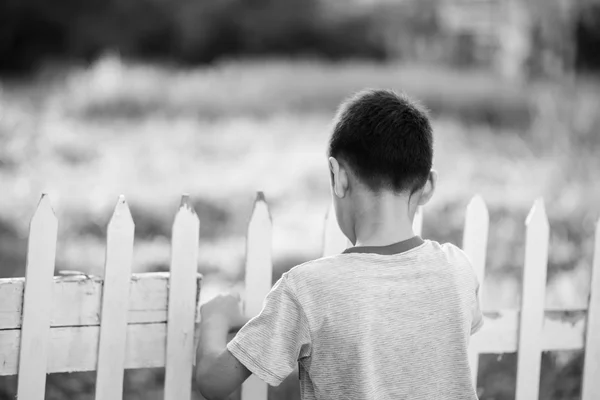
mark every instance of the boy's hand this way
{"type": "Point", "coordinates": [225, 309]}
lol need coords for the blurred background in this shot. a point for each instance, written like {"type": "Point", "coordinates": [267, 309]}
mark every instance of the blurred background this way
{"type": "Point", "coordinates": [220, 98]}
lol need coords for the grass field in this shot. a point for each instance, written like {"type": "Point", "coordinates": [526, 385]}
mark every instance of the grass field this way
{"type": "Point", "coordinates": [87, 135]}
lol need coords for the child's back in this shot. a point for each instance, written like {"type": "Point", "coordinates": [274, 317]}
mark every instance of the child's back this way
{"type": "Point", "coordinates": [389, 319]}
{"type": "Point", "coordinates": [384, 323]}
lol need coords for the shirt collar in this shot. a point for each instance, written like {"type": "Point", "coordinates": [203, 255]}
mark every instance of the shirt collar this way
{"type": "Point", "coordinates": [389, 250]}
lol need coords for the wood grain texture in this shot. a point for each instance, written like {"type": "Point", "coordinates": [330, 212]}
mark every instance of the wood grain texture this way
{"type": "Point", "coordinates": [73, 349]}
{"type": "Point", "coordinates": [77, 300]}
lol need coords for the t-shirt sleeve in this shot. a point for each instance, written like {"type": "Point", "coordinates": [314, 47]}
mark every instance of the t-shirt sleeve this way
{"type": "Point", "coordinates": [271, 343]}
{"type": "Point", "coordinates": [477, 321]}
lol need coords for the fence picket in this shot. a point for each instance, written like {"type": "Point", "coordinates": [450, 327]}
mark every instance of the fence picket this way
{"type": "Point", "coordinates": [475, 245]}
{"type": "Point", "coordinates": [334, 241]}
{"type": "Point", "coordinates": [258, 280]}
{"type": "Point", "coordinates": [37, 302]}
{"type": "Point", "coordinates": [532, 303]}
{"type": "Point", "coordinates": [591, 370]}
{"type": "Point", "coordinates": [115, 295]}
{"type": "Point", "coordinates": [418, 222]}
{"type": "Point", "coordinates": [182, 303]}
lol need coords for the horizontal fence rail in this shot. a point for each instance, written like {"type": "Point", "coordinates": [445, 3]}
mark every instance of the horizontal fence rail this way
{"type": "Point", "coordinates": [76, 322]}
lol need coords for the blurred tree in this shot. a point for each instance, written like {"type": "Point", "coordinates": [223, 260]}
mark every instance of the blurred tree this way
{"type": "Point", "coordinates": [587, 36]}
{"type": "Point", "coordinates": [30, 29]}
{"type": "Point", "coordinates": [411, 29]}
{"type": "Point", "coordinates": [188, 31]}
{"type": "Point", "coordinates": [565, 35]}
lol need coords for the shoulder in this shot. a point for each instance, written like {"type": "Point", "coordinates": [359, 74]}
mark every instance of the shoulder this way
{"type": "Point", "coordinates": [442, 252]}
{"type": "Point", "coordinates": [317, 267]}
{"type": "Point", "coordinates": [458, 258]}
{"type": "Point", "coordinates": [448, 251]}
{"type": "Point", "coordinates": [314, 272]}
{"type": "Point", "coordinates": [454, 253]}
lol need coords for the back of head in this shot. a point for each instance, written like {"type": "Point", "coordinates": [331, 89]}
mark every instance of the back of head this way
{"type": "Point", "coordinates": [385, 139]}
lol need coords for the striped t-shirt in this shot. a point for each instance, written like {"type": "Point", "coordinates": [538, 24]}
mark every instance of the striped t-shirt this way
{"type": "Point", "coordinates": [389, 322]}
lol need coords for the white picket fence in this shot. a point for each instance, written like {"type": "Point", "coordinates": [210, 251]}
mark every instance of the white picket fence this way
{"type": "Point", "coordinates": [75, 322]}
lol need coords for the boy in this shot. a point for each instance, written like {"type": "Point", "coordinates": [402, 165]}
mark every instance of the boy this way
{"type": "Point", "coordinates": [391, 317]}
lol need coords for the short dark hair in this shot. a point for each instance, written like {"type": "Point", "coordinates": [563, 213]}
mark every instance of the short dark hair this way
{"type": "Point", "coordinates": [385, 138]}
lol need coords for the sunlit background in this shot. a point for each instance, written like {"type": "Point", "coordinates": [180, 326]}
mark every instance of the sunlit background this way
{"type": "Point", "coordinates": [218, 99]}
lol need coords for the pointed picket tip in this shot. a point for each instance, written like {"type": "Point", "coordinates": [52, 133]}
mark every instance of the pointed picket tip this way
{"type": "Point", "coordinates": [186, 203]}
{"type": "Point", "coordinates": [44, 206]}
{"type": "Point", "coordinates": [477, 205]}
{"type": "Point", "coordinates": [121, 213]}
{"type": "Point", "coordinates": [260, 203]}
{"type": "Point", "coordinates": [537, 214]}
{"type": "Point", "coordinates": [39, 270]}
{"type": "Point", "coordinates": [186, 208]}
{"type": "Point", "coordinates": [44, 217]}
{"type": "Point", "coordinates": [182, 290]}
{"type": "Point", "coordinates": [186, 214]}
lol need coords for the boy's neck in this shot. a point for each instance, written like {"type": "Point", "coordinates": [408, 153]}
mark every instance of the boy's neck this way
{"type": "Point", "coordinates": [382, 220]}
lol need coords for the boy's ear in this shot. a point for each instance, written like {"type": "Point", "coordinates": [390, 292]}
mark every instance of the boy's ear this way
{"type": "Point", "coordinates": [339, 179]}
{"type": "Point", "coordinates": [429, 188]}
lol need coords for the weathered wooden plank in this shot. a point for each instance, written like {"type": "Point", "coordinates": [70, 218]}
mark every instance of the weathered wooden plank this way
{"type": "Point", "coordinates": [37, 303]}
{"type": "Point", "coordinates": [258, 279]}
{"type": "Point", "coordinates": [532, 303]}
{"type": "Point", "coordinates": [113, 328]}
{"type": "Point", "coordinates": [77, 299]}
{"type": "Point", "coordinates": [182, 303]}
{"type": "Point", "coordinates": [334, 241]}
{"type": "Point", "coordinates": [418, 222]}
{"type": "Point", "coordinates": [591, 371]}
{"type": "Point", "coordinates": [475, 239]}
{"type": "Point", "coordinates": [147, 290]}
{"type": "Point", "coordinates": [562, 330]}
{"type": "Point", "coordinates": [73, 349]}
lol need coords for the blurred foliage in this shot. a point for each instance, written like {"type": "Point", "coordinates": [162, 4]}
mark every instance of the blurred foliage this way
{"type": "Point", "coordinates": [202, 31]}
{"type": "Point", "coordinates": [565, 35]}
{"type": "Point", "coordinates": [587, 36]}
{"type": "Point", "coordinates": [188, 31]}
{"type": "Point", "coordinates": [111, 90]}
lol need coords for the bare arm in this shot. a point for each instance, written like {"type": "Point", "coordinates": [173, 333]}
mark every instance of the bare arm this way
{"type": "Point", "coordinates": [218, 372]}
{"type": "Point", "coordinates": [269, 345]}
